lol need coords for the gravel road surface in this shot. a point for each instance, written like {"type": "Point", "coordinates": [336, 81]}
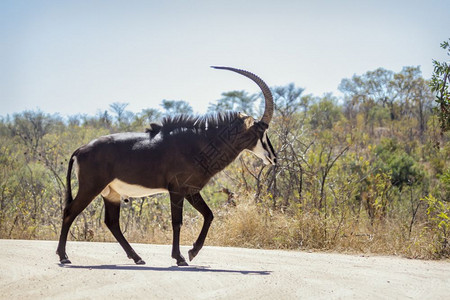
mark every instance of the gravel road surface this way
{"type": "Point", "coordinates": [30, 270]}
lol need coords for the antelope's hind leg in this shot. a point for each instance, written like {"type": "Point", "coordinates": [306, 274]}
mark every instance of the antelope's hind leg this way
{"type": "Point", "coordinates": [112, 215]}
{"type": "Point", "coordinates": [71, 211]}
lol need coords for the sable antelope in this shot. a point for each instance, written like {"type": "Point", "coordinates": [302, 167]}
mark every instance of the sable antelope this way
{"type": "Point", "coordinates": [179, 157]}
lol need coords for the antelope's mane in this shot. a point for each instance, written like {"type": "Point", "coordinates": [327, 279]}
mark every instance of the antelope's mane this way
{"type": "Point", "coordinates": [202, 124]}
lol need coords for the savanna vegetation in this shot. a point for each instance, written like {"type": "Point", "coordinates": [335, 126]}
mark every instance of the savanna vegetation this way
{"type": "Point", "coordinates": [368, 172]}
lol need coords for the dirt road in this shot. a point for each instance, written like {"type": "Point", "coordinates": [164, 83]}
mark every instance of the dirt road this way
{"type": "Point", "coordinates": [30, 270]}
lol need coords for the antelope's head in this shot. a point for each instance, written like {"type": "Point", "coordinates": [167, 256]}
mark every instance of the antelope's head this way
{"type": "Point", "coordinates": [258, 141]}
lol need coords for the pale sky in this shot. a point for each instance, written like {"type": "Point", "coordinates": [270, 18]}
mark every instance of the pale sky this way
{"type": "Point", "coordinates": [72, 57]}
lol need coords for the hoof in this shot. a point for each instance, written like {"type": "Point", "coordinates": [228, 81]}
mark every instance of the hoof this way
{"type": "Point", "coordinates": [182, 264]}
{"type": "Point", "coordinates": [192, 254]}
{"type": "Point", "coordinates": [65, 261]}
{"type": "Point", "coordinates": [140, 262]}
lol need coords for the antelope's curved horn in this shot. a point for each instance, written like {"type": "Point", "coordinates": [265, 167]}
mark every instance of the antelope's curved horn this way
{"type": "Point", "coordinates": [268, 110]}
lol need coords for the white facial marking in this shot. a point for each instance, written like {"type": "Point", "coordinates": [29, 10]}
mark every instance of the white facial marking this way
{"type": "Point", "coordinates": [260, 152]}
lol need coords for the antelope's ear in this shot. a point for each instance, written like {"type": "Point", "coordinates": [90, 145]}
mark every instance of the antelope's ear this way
{"type": "Point", "coordinates": [248, 121]}
{"type": "Point", "coordinates": [153, 128]}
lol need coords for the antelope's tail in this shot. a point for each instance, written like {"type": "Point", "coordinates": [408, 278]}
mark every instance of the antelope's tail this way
{"type": "Point", "coordinates": [69, 197]}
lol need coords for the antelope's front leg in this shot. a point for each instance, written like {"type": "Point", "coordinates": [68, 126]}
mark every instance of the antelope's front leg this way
{"type": "Point", "coordinates": [176, 207]}
{"type": "Point", "coordinates": [199, 204]}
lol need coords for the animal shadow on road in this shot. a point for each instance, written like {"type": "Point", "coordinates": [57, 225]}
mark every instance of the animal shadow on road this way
{"type": "Point", "coordinates": [166, 269]}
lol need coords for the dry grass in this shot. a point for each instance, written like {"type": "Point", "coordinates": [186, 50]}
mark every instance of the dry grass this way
{"type": "Point", "coordinates": [251, 225]}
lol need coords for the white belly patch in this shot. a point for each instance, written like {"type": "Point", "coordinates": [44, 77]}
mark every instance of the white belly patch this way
{"type": "Point", "coordinates": [126, 190]}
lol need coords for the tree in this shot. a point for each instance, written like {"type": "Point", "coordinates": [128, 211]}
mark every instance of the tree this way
{"type": "Point", "coordinates": [236, 101]}
{"type": "Point", "coordinates": [124, 118]}
{"type": "Point", "coordinates": [440, 81]}
{"type": "Point", "coordinates": [288, 133]}
{"type": "Point", "coordinates": [414, 98]}
{"type": "Point", "coordinates": [173, 107]}
{"type": "Point", "coordinates": [363, 92]}
{"type": "Point", "coordinates": [145, 117]}
{"type": "Point", "coordinates": [150, 114]}
{"type": "Point", "coordinates": [119, 109]}
{"type": "Point", "coordinates": [325, 113]}
{"type": "Point", "coordinates": [405, 96]}
{"type": "Point", "coordinates": [288, 100]}
{"type": "Point", "coordinates": [31, 127]}
{"type": "Point", "coordinates": [402, 168]}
